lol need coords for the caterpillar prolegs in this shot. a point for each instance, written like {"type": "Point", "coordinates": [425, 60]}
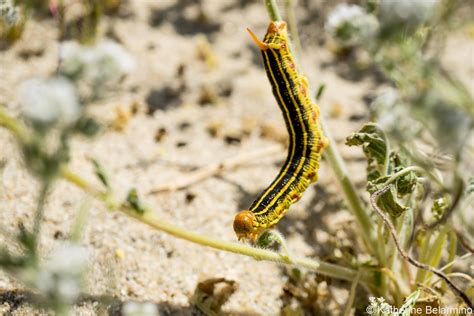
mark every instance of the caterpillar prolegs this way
{"type": "Point", "coordinates": [306, 140]}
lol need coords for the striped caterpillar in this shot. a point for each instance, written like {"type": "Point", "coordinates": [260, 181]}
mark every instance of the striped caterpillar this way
{"type": "Point", "coordinates": [290, 89]}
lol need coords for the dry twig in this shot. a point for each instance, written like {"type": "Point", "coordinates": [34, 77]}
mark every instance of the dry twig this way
{"type": "Point", "coordinates": [215, 168]}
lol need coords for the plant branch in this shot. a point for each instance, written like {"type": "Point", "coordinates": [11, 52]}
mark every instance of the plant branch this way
{"type": "Point", "coordinates": [272, 9]}
{"type": "Point", "coordinates": [373, 200]}
{"type": "Point", "coordinates": [352, 294]}
{"type": "Point", "coordinates": [40, 208]}
{"type": "Point", "coordinates": [149, 218]}
{"type": "Point", "coordinates": [464, 242]}
{"type": "Point", "coordinates": [13, 125]}
{"type": "Point", "coordinates": [292, 23]}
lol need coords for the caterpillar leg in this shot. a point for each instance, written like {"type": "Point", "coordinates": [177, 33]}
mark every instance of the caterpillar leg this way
{"type": "Point", "coordinates": [315, 112]}
{"type": "Point", "coordinates": [304, 85]}
{"type": "Point", "coordinates": [295, 197]}
{"type": "Point", "coordinates": [313, 176]}
{"type": "Point", "coordinates": [323, 143]}
{"type": "Point", "coordinates": [304, 81]}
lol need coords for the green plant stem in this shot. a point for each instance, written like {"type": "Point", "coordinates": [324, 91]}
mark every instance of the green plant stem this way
{"type": "Point", "coordinates": [383, 260]}
{"type": "Point", "coordinates": [352, 294]}
{"type": "Point", "coordinates": [12, 124]}
{"type": "Point", "coordinates": [433, 256]}
{"type": "Point", "coordinates": [404, 227]}
{"type": "Point", "coordinates": [337, 164]}
{"type": "Point", "coordinates": [272, 9]}
{"type": "Point", "coordinates": [424, 250]}
{"type": "Point", "coordinates": [417, 169]}
{"type": "Point", "coordinates": [453, 243]}
{"type": "Point", "coordinates": [3, 163]}
{"type": "Point", "coordinates": [81, 220]}
{"type": "Point", "coordinates": [149, 218]}
{"type": "Point", "coordinates": [152, 220]}
{"type": "Point", "coordinates": [293, 25]}
{"type": "Point", "coordinates": [350, 194]}
{"type": "Point", "coordinates": [40, 208]}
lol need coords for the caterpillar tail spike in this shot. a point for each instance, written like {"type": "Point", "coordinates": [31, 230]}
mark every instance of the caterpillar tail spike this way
{"type": "Point", "coordinates": [306, 138]}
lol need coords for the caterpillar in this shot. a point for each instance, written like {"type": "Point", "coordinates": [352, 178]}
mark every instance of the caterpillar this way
{"type": "Point", "coordinates": [306, 140]}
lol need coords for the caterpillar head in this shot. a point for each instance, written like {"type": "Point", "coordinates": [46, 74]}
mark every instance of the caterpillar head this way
{"type": "Point", "coordinates": [243, 225]}
{"type": "Point", "coordinates": [277, 27]}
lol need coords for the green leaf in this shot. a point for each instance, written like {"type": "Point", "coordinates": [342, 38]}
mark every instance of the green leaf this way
{"type": "Point", "coordinates": [410, 301]}
{"type": "Point", "coordinates": [270, 239]}
{"type": "Point", "coordinates": [405, 184]}
{"type": "Point", "coordinates": [388, 200]}
{"type": "Point", "coordinates": [87, 126]}
{"type": "Point", "coordinates": [439, 207]}
{"type": "Point", "coordinates": [374, 144]}
{"type": "Point", "coordinates": [101, 174]}
{"type": "Point", "coordinates": [470, 186]}
{"type": "Point", "coordinates": [320, 91]}
{"type": "Point", "coordinates": [134, 201]}
{"type": "Point", "coordinates": [381, 164]}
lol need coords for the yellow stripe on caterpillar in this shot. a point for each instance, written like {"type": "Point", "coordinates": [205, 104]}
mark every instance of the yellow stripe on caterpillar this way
{"type": "Point", "coordinates": [290, 89]}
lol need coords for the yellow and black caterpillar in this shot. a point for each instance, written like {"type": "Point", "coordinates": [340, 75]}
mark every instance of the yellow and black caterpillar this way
{"type": "Point", "coordinates": [306, 140]}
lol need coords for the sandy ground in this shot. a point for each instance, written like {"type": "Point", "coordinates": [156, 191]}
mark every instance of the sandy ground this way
{"type": "Point", "coordinates": [165, 39]}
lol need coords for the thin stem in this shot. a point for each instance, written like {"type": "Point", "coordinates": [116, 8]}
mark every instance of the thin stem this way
{"type": "Point", "coordinates": [40, 208]}
{"type": "Point", "coordinates": [406, 170]}
{"type": "Point", "coordinates": [81, 220]}
{"type": "Point", "coordinates": [154, 221]}
{"type": "Point", "coordinates": [352, 293]}
{"type": "Point", "coordinates": [463, 241]}
{"type": "Point", "coordinates": [3, 164]}
{"type": "Point", "coordinates": [416, 157]}
{"type": "Point", "coordinates": [350, 194]}
{"type": "Point", "coordinates": [13, 125]}
{"type": "Point", "coordinates": [453, 243]}
{"type": "Point", "coordinates": [404, 227]}
{"type": "Point", "coordinates": [424, 250]}
{"type": "Point", "coordinates": [216, 168]}
{"type": "Point", "coordinates": [434, 255]}
{"type": "Point", "coordinates": [272, 9]}
{"type": "Point", "coordinates": [383, 259]}
{"type": "Point", "coordinates": [450, 264]}
{"type": "Point", "coordinates": [403, 172]}
{"type": "Point", "coordinates": [292, 23]}
{"type": "Point", "coordinates": [337, 164]}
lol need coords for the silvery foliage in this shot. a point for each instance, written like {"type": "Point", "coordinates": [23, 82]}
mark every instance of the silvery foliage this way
{"type": "Point", "coordinates": [351, 25]}
{"type": "Point", "coordinates": [61, 276]}
{"type": "Point", "coordinates": [406, 12]}
{"type": "Point", "coordinates": [49, 101]}
{"type": "Point", "coordinates": [393, 117]}
{"type": "Point", "coordinates": [139, 309]}
{"type": "Point", "coordinates": [95, 69]}
{"type": "Point", "coordinates": [9, 13]}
